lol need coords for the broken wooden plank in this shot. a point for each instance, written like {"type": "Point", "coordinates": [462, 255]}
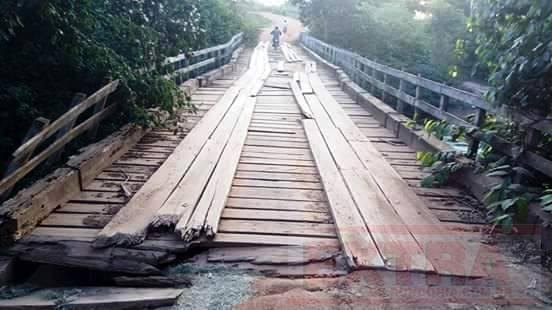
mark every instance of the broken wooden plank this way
{"type": "Point", "coordinates": [130, 224]}
{"type": "Point", "coordinates": [182, 202]}
{"type": "Point", "coordinates": [206, 215]}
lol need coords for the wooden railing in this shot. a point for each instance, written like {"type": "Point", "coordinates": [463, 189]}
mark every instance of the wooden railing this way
{"type": "Point", "coordinates": [189, 65]}
{"type": "Point", "coordinates": [377, 78]}
{"type": "Point", "coordinates": [51, 138]}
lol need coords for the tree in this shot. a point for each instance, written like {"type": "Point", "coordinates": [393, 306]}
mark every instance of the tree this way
{"type": "Point", "coordinates": [514, 40]}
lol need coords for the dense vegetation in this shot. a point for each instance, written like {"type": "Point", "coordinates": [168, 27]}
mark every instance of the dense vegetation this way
{"type": "Point", "coordinates": [52, 49]}
{"type": "Point", "coordinates": [400, 33]}
{"type": "Point", "coordinates": [506, 44]}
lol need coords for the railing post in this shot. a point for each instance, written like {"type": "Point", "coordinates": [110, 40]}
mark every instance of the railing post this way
{"type": "Point", "coordinates": [443, 104]}
{"type": "Point", "coordinates": [373, 73]}
{"type": "Point", "coordinates": [98, 107]}
{"type": "Point", "coordinates": [37, 126]}
{"type": "Point", "coordinates": [418, 94]}
{"type": "Point", "coordinates": [77, 98]}
{"type": "Point", "coordinates": [383, 92]}
{"type": "Point", "coordinates": [400, 103]}
{"type": "Point", "coordinates": [478, 122]}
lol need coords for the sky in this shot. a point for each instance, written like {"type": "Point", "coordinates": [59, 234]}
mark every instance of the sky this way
{"type": "Point", "coordinates": [271, 2]}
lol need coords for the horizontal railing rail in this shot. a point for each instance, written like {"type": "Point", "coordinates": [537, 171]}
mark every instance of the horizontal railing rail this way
{"type": "Point", "coordinates": [50, 138]}
{"type": "Point", "coordinates": [375, 77]}
{"type": "Point", "coordinates": [188, 65]}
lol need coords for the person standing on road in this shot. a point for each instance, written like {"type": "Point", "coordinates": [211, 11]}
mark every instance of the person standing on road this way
{"type": "Point", "coordinates": [284, 28]}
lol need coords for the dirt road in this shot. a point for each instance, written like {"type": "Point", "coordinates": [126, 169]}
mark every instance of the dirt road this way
{"type": "Point", "coordinates": [294, 27]}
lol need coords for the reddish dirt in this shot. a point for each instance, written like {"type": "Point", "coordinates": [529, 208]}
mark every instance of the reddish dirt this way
{"type": "Point", "coordinates": [515, 280]}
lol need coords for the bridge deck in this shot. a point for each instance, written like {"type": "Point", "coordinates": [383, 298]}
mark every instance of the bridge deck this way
{"type": "Point", "coordinates": [277, 195]}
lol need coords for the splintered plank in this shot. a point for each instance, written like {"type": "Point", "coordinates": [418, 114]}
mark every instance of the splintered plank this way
{"type": "Point", "coordinates": [275, 204]}
{"type": "Point", "coordinates": [277, 228]}
{"type": "Point", "coordinates": [273, 215]}
{"type": "Point", "coordinates": [180, 205]}
{"type": "Point", "coordinates": [419, 220]}
{"type": "Point", "coordinates": [355, 239]}
{"type": "Point", "coordinates": [207, 213]}
{"type": "Point", "coordinates": [129, 225]}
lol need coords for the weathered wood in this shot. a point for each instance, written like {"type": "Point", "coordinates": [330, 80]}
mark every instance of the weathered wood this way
{"type": "Point", "coordinates": [275, 204]}
{"type": "Point", "coordinates": [277, 228]}
{"type": "Point", "coordinates": [300, 100]}
{"type": "Point", "coordinates": [419, 220]}
{"type": "Point", "coordinates": [15, 176]}
{"type": "Point", "coordinates": [98, 298]}
{"type": "Point", "coordinates": [38, 125]}
{"type": "Point", "coordinates": [278, 193]}
{"type": "Point", "coordinates": [81, 254]}
{"type": "Point", "coordinates": [282, 255]}
{"type": "Point", "coordinates": [129, 225]}
{"type": "Point", "coordinates": [276, 215]}
{"type": "Point", "coordinates": [181, 203]}
{"type": "Point", "coordinates": [205, 217]}
{"type": "Point", "coordinates": [305, 83]}
{"type": "Point", "coordinates": [243, 239]}
{"type": "Point", "coordinates": [355, 239]}
{"type": "Point", "coordinates": [67, 117]}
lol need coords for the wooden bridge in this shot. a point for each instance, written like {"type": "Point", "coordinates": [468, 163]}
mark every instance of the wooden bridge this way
{"type": "Point", "coordinates": [281, 170]}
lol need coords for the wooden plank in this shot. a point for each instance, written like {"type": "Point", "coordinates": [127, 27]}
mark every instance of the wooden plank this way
{"type": "Point", "coordinates": [129, 225]}
{"type": "Point", "coordinates": [267, 176]}
{"type": "Point", "coordinates": [305, 84]}
{"type": "Point", "coordinates": [232, 239]}
{"type": "Point", "coordinates": [275, 204]}
{"type": "Point", "coordinates": [66, 118]}
{"type": "Point", "coordinates": [277, 169]}
{"type": "Point", "coordinates": [300, 100]}
{"type": "Point", "coordinates": [97, 298]}
{"type": "Point", "coordinates": [274, 193]}
{"type": "Point", "coordinates": [90, 208]}
{"type": "Point", "coordinates": [276, 184]}
{"type": "Point", "coordinates": [277, 228]}
{"type": "Point", "coordinates": [76, 220]}
{"type": "Point", "coordinates": [273, 215]}
{"type": "Point", "coordinates": [273, 161]}
{"type": "Point", "coordinates": [271, 255]}
{"type": "Point", "coordinates": [281, 144]}
{"type": "Point", "coordinates": [419, 220]}
{"type": "Point", "coordinates": [276, 150]}
{"type": "Point", "coordinates": [182, 202]}
{"type": "Point", "coordinates": [206, 215]}
{"type": "Point", "coordinates": [303, 157]}
{"type": "Point", "coordinates": [15, 176]}
{"type": "Point", "coordinates": [355, 239]}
